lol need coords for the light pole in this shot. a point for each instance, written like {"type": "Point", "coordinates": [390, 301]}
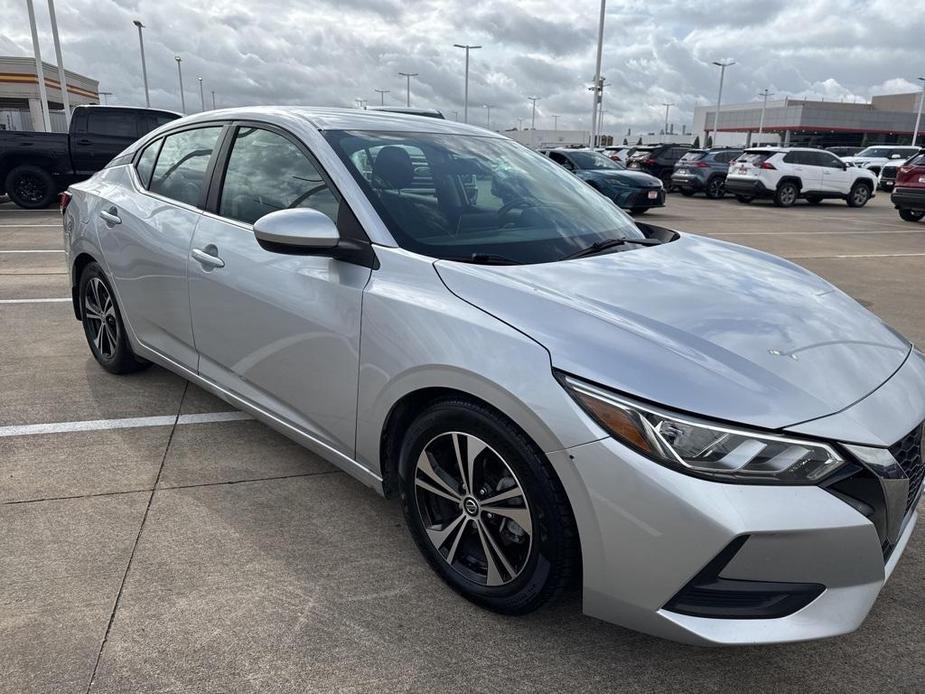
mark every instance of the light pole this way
{"type": "Point", "coordinates": [213, 99]}
{"type": "Point", "coordinates": [144, 67]}
{"type": "Point", "coordinates": [408, 76]}
{"type": "Point", "coordinates": [667, 106]}
{"type": "Point", "coordinates": [488, 117]}
{"type": "Point", "coordinates": [202, 95]}
{"type": "Point", "coordinates": [764, 104]}
{"type": "Point", "coordinates": [62, 79]}
{"type": "Point", "coordinates": [534, 99]}
{"type": "Point", "coordinates": [918, 117]}
{"type": "Point", "coordinates": [597, 72]}
{"type": "Point", "coordinates": [466, 95]}
{"type": "Point", "coordinates": [382, 93]}
{"type": "Point", "coordinates": [39, 69]}
{"type": "Point", "coordinates": [104, 95]}
{"type": "Point", "coordinates": [555, 122]}
{"type": "Point", "coordinates": [180, 76]}
{"type": "Point", "coordinates": [719, 97]}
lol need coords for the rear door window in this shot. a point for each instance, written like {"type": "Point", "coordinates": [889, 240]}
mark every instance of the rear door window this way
{"type": "Point", "coordinates": [827, 159]}
{"type": "Point", "coordinates": [180, 171]}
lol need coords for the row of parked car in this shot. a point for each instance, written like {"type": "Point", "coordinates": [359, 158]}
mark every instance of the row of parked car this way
{"type": "Point", "coordinates": [637, 178]}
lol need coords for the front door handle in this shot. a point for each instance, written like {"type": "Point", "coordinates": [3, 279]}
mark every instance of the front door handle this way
{"type": "Point", "coordinates": [207, 258]}
{"type": "Point", "coordinates": [110, 216]}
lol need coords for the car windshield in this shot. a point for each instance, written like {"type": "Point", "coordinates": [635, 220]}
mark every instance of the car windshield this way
{"type": "Point", "coordinates": [592, 160]}
{"type": "Point", "coordinates": [473, 198]}
{"type": "Point", "coordinates": [880, 152]}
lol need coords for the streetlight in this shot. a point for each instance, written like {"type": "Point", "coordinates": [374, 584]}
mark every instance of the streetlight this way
{"type": "Point", "coordinates": [466, 97]}
{"type": "Point", "coordinates": [918, 117]}
{"type": "Point", "coordinates": [488, 118]}
{"type": "Point", "coordinates": [62, 79]}
{"type": "Point", "coordinates": [180, 76]}
{"type": "Point", "coordinates": [213, 99]}
{"type": "Point", "coordinates": [39, 68]}
{"type": "Point", "coordinates": [382, 93]}
{"type": "Point", "coordinates": [534, 99]}
{"type": "Point", "coordinates": [719, 97]}
{"type": "Point", "coordinates": [555, 122]}
{"type": "Point", "coordinates": [764, 104]}
{"type": "Point", "coordinates": [202, 96]}
{"type": "Point", "coordinates": [408, 76]}
{"type": "Point", "coordinates": [144, 67]}
{"type": "Point", "coordinates": [667, 106]}
{"type": "Point", "coordinates": [597, 73]}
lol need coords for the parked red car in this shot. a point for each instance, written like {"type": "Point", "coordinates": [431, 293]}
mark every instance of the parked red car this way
{"type": "Point", "coordinates": [909, 193]}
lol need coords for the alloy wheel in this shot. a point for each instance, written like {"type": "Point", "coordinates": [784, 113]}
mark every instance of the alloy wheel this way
{"type": "Point", "coordinates": [30, 189]}
{"type": "Point", "coordinates": [859, 195]}
{"type": "Point", "coordinates": [100, 314]}
{"type": "Point", "coordinates": [473, 508]}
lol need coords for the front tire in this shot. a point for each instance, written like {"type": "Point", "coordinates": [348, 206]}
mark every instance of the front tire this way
{"type": "Point", "coordinates": [911, 215]}
{"type": "Point", "coordinates": [786, 194]}
{"type": "Point", "coordinates": [859, 195]}
{"type": "Point", "coordinates": [103, 324]}
{"type": "Point", "coordinates": [485, 508]}
{"type": "Point", "coordinates": [30, 187]}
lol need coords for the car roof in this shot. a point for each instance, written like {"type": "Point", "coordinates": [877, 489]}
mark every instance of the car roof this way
{"type": "Point", "coordinates": [323, 118]}
{"type": "Point", "coordinates": [116, 107]}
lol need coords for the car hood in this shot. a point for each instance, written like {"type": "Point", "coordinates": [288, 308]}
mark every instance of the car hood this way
{"type": "Point", "coordinates": [638, 179]}
{"type": "Point", "coordinates": [864, 161]}
{"type": "Point", "coordinates": [697, 325]}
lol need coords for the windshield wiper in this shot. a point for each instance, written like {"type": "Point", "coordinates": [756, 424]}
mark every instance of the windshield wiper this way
{"type": "Point", "coordinates": [599, 246]}
{"type": "Point", "coordinates": [484, 259]}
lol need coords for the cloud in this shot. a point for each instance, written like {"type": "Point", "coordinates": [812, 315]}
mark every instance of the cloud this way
{"type": "Point", "coordinates": [331, 52]}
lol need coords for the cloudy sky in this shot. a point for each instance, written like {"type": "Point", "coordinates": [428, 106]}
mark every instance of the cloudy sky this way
{"type": "Point", "coordinates": [331, 52]}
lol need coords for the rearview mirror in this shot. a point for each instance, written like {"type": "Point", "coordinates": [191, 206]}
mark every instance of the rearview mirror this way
{"type": "Point", "coordinates": [299, 230]}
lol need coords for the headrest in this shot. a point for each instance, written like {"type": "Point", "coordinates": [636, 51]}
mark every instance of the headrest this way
{"type": "Point", "coordinates": [393, 167]}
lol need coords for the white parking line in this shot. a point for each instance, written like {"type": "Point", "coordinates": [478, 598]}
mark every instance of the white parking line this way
{"type": "Point", "coordinates": [35, 301]}
{"type": "Point", "coordinates": [125, 423]}
{"type": "Point", "coordinates": [815, 233]}
{"type": "Point", "coordinates": [30, 226]}
{"type": "Point", "coordinates": [860, 255]}
{"type": "Point", "coordinates": [32, 251]}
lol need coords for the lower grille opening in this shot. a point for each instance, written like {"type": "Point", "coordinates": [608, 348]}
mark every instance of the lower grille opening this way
{"type": "Point", "coordinates": [708, 595]}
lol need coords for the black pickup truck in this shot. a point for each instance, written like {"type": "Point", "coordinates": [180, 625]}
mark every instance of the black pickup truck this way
{"type": "Point", "coordinates": [35, 166]}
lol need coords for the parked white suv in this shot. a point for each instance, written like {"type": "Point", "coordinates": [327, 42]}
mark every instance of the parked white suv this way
{"type": "Point", "coordinates": [875, 157]}
{"type": "Point", "coordinates": [789, 173]}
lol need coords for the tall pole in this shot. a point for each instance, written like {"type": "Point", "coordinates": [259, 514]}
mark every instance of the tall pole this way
{"type": "Point", "coordinates": [466, 91]}
{"type": "Point", "coordinates": [105, 96]}
{"type": "Point", "coordinates": [667, 106]}
{"type": "Point", "coordinates": [144, 67]}
{"type": "Point", "coordinates": [719, 97]}
{"type": "Point", "coordinates": [534, 99]}
{"type": "Point", "coordinates": [202, 95]}
{"type": "Point", "coordinates": [597, 72]}
{"type": "Point", "coordinates": [600, 113]}
{"type": "Point", "coordinates": [39, 69]}
{"type": "Point", "coordinates": [381, 93]}
{"type": "Point", "coordinates": [180, 76]}
{"type": "Point", "coordinates": [764, 105]}
{"type": "Point", "coordinates": [555, 122]}
{"type": "Point", "coordinates": [408, 76]}
{"type": "Point", "coordinates": [918, 118]}
{"type": "Point", "coordinates": [488, 118]}
{"type": "Point", "coordinates": [213, 99]}
{"type": "Point", "coordinates": [62, 79]}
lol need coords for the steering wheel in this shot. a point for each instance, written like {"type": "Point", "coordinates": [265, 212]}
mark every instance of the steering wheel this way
{"type": "Point", "coordinates": [514, 204]}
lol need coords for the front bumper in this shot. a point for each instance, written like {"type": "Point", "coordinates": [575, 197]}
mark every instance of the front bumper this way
{"type": "Point", "coordinates": [648, 532]}
{"type": "Point", "coordinates": [908, 198]}
{"type": "Point", "coordinates": [634, 199]}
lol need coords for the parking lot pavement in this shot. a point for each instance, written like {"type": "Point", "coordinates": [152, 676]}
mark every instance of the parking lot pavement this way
{"type": "Point", "coordinates": [154, 540]}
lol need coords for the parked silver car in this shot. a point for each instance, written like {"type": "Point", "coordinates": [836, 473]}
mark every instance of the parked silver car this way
{"type": "Point", "coordinates": [722, 446]}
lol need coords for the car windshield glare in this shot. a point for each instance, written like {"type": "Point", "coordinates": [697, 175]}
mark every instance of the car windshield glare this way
{"type": "Point", "coordinates": [465, 197]}
{"type": "Point", "coordinates": [593, 160]}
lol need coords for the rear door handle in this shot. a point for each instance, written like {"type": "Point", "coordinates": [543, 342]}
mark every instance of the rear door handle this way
{"type": "Point", "coordinates": [207, 258]}
{"type": "Point", "coordinates": [110, 216]}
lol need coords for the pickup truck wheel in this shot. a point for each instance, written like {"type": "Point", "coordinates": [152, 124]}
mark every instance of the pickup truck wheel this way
{"type": "Point", "coordinates": [30, 187]}
{"type": "Point", "coordinates": [787, 194]}
{"type": "Point", "coordinates": [911, 215]}
{"type": "Point", "coordinates": [859, 195]}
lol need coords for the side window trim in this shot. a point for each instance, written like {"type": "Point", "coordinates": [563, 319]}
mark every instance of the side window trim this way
{"type": "Point", "coordinates": [219, 168]}
{"type": "Point", "coordinates": [159, 143]}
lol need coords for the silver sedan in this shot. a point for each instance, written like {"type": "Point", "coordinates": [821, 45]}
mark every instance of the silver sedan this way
{"type": "Point", "coordinates": [721, 446]}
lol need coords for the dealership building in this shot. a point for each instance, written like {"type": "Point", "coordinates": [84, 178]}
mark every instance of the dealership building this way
{"type": "Point", "coordinates": [886, 119]}
{"type": "Point", "coordinates": [20, 103]}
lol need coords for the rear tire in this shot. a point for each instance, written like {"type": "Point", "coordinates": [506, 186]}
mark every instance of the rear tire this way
{"type": "Point", "coordinates": [786, 194]}
{"type": "Point", "coordinates": [103, 324]}
{"type": "Point", "coordinates": [859, 195]}
{"type": "Point", "coordinates": [716, 188]}
{"type": "Point", "coordinates": [30, 187]}
{"type": "Point", "coordinates": [511, 559]}
{"type": "Point", "coordinates": [911, 215]}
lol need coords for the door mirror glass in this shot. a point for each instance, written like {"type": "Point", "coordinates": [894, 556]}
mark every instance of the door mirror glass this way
{"type": "Point", "coordinates": [300, 230]}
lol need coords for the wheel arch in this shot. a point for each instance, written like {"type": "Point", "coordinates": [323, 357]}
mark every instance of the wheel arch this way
{"type": "Point", "coordinates": [796, 180]}
{"type": "Point", "coordinates": [10, 162]}
{"type": "Point", "coordinates": [77, 268]}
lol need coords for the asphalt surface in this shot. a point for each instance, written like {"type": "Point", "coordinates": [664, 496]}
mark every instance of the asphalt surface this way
{"type": "Point", "coordinates": [204, 552]}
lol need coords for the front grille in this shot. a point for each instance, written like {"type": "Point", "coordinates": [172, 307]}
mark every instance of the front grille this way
{"type": "Point", "coordinates": [889, 173]}
{"type": "Point", "coordinates": [908, 453]}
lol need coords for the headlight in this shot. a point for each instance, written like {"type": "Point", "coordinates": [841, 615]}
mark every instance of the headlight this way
{"type": "Point", "coordinates": [703, 449]}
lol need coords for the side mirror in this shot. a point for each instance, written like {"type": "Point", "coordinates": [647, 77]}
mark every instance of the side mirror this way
{"type": "Point", "coordinates": [298, 231]}
{"type": "Point", "coordinates": [844, 166]}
